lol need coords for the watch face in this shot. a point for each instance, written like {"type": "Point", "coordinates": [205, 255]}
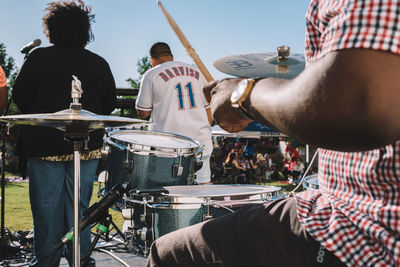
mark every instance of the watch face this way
{"type": "Point", "coordinates": [239, 90]}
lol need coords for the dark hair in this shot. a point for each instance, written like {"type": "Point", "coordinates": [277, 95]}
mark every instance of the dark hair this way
{"type": "Point", "coordinates": [160, 49]}
{"type": "Point", "coordinates": [68, 23]}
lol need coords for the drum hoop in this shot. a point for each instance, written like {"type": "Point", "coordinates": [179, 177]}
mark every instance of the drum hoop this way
{"type": "Point", "coordinates": [267, 190]}
{"type": "Point", "coordinates": [308, 185]}
{"type": "Point", "coordinates": [166, 150]}
{"type": "Point", "coordinates": [222, 204]}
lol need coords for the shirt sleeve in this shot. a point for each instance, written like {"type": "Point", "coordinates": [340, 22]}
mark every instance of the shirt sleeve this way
{"type": "Point", "coordinates": [144, 100]}
{"type": "Point", "coordinates": [3, 80]}
{"type": "Point", "coordinates": [110, 98]}
{"type": "Point", "coordinates": [337, 25]}
{"type": "Point", "coordinates": [24, 88]}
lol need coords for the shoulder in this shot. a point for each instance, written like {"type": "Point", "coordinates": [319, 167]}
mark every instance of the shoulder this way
{"type": "Point", "coordinates": [95, 56]}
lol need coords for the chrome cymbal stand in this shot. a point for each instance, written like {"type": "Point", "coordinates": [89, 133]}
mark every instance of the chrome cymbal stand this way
{"type": "Point", "coordinates": [78, 133]}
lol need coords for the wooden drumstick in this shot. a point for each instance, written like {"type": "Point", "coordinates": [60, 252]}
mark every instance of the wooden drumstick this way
{"type": "Point", "coordinates": [186, 44]}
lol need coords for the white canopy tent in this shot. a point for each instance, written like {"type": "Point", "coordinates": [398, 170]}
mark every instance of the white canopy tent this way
{"type": "Point", "coordinates": [254, 130]}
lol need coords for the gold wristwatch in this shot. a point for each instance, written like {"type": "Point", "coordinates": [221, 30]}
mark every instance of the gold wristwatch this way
{"type": "Point", "coordinates": [240, 94]}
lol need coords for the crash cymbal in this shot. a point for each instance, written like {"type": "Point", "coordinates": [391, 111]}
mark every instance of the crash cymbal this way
{"type": "Point", "coordinates": [280, 64]}
{"type": "Point", "coordinates": [71, 119]}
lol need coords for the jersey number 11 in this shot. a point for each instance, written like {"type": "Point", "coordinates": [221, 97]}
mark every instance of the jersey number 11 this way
{"type": "Point", "coordinates": [190, 95]}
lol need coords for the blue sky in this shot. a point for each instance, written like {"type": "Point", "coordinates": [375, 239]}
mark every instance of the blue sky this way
{"type": "Point", "coordinates": [125, 29]}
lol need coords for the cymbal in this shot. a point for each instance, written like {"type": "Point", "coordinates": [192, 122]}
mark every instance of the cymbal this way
{"type": "Point", "coordinates": [68, 118]}
{"type": "Point", "coordinates": [263, 65]}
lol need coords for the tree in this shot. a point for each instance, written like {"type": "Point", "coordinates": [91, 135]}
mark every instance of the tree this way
{"type": "Point", "coordinates": [143, 65]}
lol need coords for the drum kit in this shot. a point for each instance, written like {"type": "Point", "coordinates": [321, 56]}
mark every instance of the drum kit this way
{"type": "Point", "coordinates": [159, 167]}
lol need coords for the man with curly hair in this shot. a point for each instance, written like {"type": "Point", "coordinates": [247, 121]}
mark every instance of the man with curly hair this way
{"type": "Point", "coordinates": [44, 86]}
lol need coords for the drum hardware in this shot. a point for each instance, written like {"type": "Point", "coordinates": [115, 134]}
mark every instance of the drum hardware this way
{"type": "Point", "coordinates": [311, 182]}
{"type": "Point", "coordinates": [142, 218]}
{"type": "Point", "coordinates": [101, 229]}
{"type": "Point", "coordinates": [128, 164]}
{"type": "Point", "coordinates": [150, 191]}
{"type": "Point", "coordinates": [127, 213]}
{"type": "Point", "coordinates": [105, 152]}
{"type": "Point", "coordinates": [177, 169]}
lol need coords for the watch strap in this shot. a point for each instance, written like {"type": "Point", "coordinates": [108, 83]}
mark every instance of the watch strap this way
{"type": "Point", "coordinates": [244, 113]}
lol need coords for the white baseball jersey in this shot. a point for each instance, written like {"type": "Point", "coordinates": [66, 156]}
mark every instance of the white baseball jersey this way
{"type": "Point", "coordinates": [173, 92]}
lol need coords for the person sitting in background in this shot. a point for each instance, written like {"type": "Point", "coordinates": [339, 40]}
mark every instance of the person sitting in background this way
{"type": "Point", "coordinates": [242, 166]}
{"type": "Point", "coordinates": [258, 165]}
{"type": "Point", "coordinates": [298, 169]}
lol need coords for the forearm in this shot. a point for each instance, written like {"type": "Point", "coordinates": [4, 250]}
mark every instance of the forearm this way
{"type": "Point", "coordinates": [339, 111]}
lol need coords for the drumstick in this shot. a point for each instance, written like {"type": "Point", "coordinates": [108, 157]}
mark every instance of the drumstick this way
{"type": "Point", "coordinates": [186, 44]}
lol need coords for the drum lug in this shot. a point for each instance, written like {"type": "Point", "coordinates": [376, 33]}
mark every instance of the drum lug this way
{"type": "Point", "coordinates": [127, 213]}
{"type": "Point", "coordinates": [177, 169]}
{"type": "Point", "coordinates": [105, 153]}
{"type": "Point", "coordinates": [207, 217]}
{"type": "Point", "coordinates": [142, 218]}
{"type": "Point", "coordinates": [143, 234]}
{"type": "Point", "coordinates": [128, 164]}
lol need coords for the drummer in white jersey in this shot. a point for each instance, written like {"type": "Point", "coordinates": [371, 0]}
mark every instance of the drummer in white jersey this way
{"type": "Point", "coordinates": [171, 93]}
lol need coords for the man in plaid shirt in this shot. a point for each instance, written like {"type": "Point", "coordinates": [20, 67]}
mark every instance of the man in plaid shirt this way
{"type": "Point", "coordinates": [347, 103]}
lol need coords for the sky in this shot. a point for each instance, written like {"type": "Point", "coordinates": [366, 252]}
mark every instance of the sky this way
{"type": "Point", "coordinates": [124, 30]}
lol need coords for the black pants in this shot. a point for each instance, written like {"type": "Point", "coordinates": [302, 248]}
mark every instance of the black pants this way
{"type": "Point", "coordinates": [257, 235]}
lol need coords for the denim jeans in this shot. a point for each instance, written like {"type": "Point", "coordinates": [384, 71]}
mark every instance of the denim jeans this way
{"type": "Point", "coordinates": [51, 192]}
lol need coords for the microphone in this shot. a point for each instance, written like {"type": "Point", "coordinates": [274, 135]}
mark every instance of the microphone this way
{"type": "Point", "coordinates": [96, 211]}
{"type": "Point", "coordinates": [30, 46]}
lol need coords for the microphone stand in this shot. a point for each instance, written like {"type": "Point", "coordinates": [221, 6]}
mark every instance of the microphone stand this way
{"type": "Point", "coordinates": [102, 229]}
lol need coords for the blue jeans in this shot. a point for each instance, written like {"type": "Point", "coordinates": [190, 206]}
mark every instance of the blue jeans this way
{"type": "Point", "coordinates": [51, 193]}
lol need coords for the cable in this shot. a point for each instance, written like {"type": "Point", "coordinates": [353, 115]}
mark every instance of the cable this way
{"type": "Point", "coordinates": [113, 255]}
{"type": "Point", "coordinates": [304, 175]}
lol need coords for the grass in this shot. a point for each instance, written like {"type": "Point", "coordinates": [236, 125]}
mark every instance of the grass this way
{"type": "Point", "coordinates": [18, 212]}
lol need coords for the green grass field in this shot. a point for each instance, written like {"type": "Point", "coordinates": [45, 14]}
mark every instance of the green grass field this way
{"type": "Point", "coordinates": [18, 211]}
{"type": "Point", "coordinates": [18, 214]}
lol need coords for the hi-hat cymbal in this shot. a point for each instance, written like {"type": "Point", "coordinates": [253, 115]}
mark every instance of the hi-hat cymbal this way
{"type": "Point", "coordinates": [68, 118]}
{"type": "Point", "coordinates": [263, 65]}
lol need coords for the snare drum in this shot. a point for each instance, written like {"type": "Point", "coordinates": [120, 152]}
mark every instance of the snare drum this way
{"type": "Point", "coordinates": [149, 159]}
{"type": "Point", "coordinates": [155, 216]}
{"type": "Point", "coordinates": [311, 182]}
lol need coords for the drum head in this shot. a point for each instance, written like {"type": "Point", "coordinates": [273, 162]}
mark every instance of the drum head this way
{"type": "Point", "coordinates": [210, 191]}
{"type": "Point", "coordinates": [153, 141]}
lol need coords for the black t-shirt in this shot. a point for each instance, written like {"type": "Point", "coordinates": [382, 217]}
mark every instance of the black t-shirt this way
{"type": "Point", "coordinates": [43, 85]}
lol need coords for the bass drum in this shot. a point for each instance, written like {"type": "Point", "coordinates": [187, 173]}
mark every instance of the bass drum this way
{"type": "Point", "coordinates": [149, 217]}
{"type": "Point", "coordinates": [149, 159]}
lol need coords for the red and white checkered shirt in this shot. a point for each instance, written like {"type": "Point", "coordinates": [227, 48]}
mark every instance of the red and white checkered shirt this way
{"type": "Point", "coordinates": [356, 211]}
